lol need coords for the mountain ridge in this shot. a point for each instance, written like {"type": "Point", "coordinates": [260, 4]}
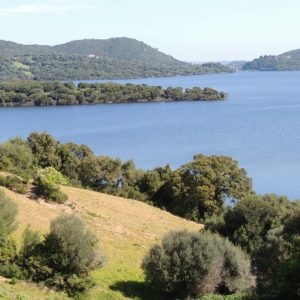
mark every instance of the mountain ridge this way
{"type": "Point", "coordinates": [287, 61]}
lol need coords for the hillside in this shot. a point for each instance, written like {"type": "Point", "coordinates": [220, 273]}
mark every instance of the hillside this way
{"type": "Point", "coordinates": [117, 48]}
{"type": "Point", "coordinates": [92, 59]}
{"type": "Point", "coordinates": [288, 61]}
{"type": "Point", "coordinates": [126, 229]}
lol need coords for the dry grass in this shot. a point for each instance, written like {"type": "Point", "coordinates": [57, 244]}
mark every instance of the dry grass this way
{"type": "Point", "coordinates": [126, 230]}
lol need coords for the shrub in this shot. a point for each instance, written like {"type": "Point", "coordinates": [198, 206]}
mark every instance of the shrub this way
{"type": "Point", "coordinates": [16, 157]}
{"type": "Point", "coordinates": [70, 247]}
{"type": "Point", "coordinates": [11, 271]}
{"type": "Point", "coordinates": [58, 197]}
{"type": "Point", "coordinates": [8, 251]}
{"type": "Point", "coordinates": [8, 213]}
{"type": "Point", "coordinates": [47, 181]}
{"type": "Point", "coordinates": [190, 264]}
{"type": "Point", "coordinates": [75, 285]}
{"type": "Point", "coordinates": [14, 183]}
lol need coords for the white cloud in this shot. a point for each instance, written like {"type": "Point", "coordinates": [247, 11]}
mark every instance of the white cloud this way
{"type": "Point", "coordinates": [55, 7]}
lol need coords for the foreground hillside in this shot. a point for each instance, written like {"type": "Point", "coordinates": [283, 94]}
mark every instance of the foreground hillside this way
{"type": "Point", "coordinates": [288, 61]}
{"type": "Point", "coordinates": [125, 228]}
{"type": "Point", "coordinates": [92, 59]}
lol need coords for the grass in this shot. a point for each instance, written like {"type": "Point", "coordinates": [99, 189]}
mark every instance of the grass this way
{"type": "Point", "coordinates": [126, 229]}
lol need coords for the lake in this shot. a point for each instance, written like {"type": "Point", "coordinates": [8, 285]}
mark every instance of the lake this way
{"type": "Point", "coordinates": [258, 125]}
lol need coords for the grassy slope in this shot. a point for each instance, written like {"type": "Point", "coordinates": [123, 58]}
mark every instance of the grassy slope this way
{"type": "Point", "coordinates": [126, 230]}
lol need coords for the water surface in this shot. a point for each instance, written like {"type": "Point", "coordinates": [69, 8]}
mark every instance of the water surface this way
{"type": "Point", "coordinates": [258, 125]}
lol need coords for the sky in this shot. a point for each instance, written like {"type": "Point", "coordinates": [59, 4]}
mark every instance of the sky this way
{"type": "Point", "coordinates": [190, 30]}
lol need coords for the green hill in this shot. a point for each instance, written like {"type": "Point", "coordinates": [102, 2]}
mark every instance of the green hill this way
{"type": "Point", "coordinates": [117, 48]}
{"type": "Point", "coordinates": [288, 61]}
{"type": "Point", "coordinates": [113, 58]}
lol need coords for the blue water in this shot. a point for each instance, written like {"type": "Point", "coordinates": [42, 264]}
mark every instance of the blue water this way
{"type": "Point", "coordinates": [258, 125]}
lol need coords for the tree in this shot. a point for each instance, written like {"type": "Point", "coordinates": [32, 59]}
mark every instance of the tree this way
{"type": "Point", "coordinates": [16, 157]}
{"type": "Point", "coordinates": [71, 248]}
{"type": "Point", "coordinates": [191, 264]}
{"type": "Point", "coordinates": [100, 172]}
{"type": "Point", "coordinates": [202, 186]}
{"type": "Point", "coordinates": [44, 147]}
{"type": "Point", "coordinates": [261, 225]}
{"type": "Point", "coordinates": [47, 181]}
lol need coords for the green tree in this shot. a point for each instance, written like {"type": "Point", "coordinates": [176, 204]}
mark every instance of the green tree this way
{"type": "Point", "coordinates": [71, 248]}
{"type": "Point", "coordinates": [258, 225]}
{"type": "Point", "coordinates": [191, 264]}
{"type": "Point", "coordinates": [16, 157]}
{"type": "Point", "coordinates": [47, 182]}
{"type": "Point", "coordinates": [202, 186]}
{"type": "Point", "coordinates": [44, 147]}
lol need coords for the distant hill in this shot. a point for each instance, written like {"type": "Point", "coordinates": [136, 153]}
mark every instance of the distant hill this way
{"type": "Point", "coordinates": [236, 64]}
{"type": "Point", "coordinates": [125, 228]}
{"type": "Point", "coordinates": [288, 61]}
{"type": "Point", "coordinates": [117, 48]}
{"type": "Point", "coordinates": [93, 59]}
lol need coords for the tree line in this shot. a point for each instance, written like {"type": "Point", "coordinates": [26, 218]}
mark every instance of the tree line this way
{"type": "Point", "coordinates": [48, 93]}
{"type": "Point", "coordinates": [76, 67]}
{"type": "Point", "coordinates": [249, 249]}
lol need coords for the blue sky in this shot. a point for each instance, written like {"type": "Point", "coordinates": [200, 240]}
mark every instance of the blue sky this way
{"type": "Point", "coordinates": [192, 30]}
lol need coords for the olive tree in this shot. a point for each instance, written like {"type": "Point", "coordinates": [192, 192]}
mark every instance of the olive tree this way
{"type": "Point", "coordinates": [190, 264]}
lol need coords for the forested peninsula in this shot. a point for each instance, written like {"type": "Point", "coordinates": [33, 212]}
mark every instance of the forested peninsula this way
{"type": "Point", "coordinates": [49, 93]}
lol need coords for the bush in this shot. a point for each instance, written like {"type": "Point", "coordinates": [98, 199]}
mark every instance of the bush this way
{"type": "Point", "coordinates": [16, 157]}
{"type": "Point", "coordinates": [75, 285]}
{"type": "Point", "coordinates": [47, 181]}
{"type": "Point", "coordinates": [14, 183]}
{"type": "Point", "coordinates": [8, 213]}
{"type": "Point", "coordinates": [65, 257]}
{"type": "Point", "coordinates": [71, 248]}
{"type": "Point", "coordinates": [191, 264]}
{"type": "Point", "coordinates": [11, 271]}
{"type": "Point", "coordinates": [8, 251]}
{"type": "Point", "coordinates": [58, 197]}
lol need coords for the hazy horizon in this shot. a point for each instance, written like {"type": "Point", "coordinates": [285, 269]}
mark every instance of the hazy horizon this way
{"type": "Point", "coordinates": [193, 30]}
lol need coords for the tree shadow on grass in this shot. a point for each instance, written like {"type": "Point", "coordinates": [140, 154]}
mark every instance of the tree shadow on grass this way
{"type": "Point", "coordinates": [137, 290]}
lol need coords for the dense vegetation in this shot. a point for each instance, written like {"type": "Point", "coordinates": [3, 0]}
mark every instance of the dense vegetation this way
{"type": "Point", "coordinates": [62, 259]}
{"type": "Point", "coordinates": [92, 59]}
{"type": "Point", "coordinates": [255, 237]}
{"type": "Point", "coordinates": [46, 93]}
{"type": "Point", "coordinates": [191, 264]}
{"type": "Point", "coordinates": [288, 61]}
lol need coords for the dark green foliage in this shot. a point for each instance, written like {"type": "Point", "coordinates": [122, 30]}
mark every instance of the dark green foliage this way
{"type": "Point", "coordinates": [71, 248]}
{"type": "Point", "coordinates": [44, 148]}
{"type": "Point", "coordinates": [16, 157]}
{"type": "Point", "coordinates": [92, 59]}
{"type": "Point", "coordinates": [264, 226]}
{"type": "Point", "coordinates": [8, 213]}
{"type": "Point", "coordinates": [12, 271]}
{"type": "Point", "coordinates": [201, 186]}
{"type": "Point", "coordinates": [44, 93]}
{"type": "Point", "coordinates": [236, 296]}
{"type": "Point", "coordinates": [8, 251]}
{"type": "Point", "coordinates": [64, 258]}
{"type": "Point", "coordinates": [29, 243]}
{"type": "Point", "coordinates": [191, 264]}
{"type": "Point", "coordinates": [75, 285]}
